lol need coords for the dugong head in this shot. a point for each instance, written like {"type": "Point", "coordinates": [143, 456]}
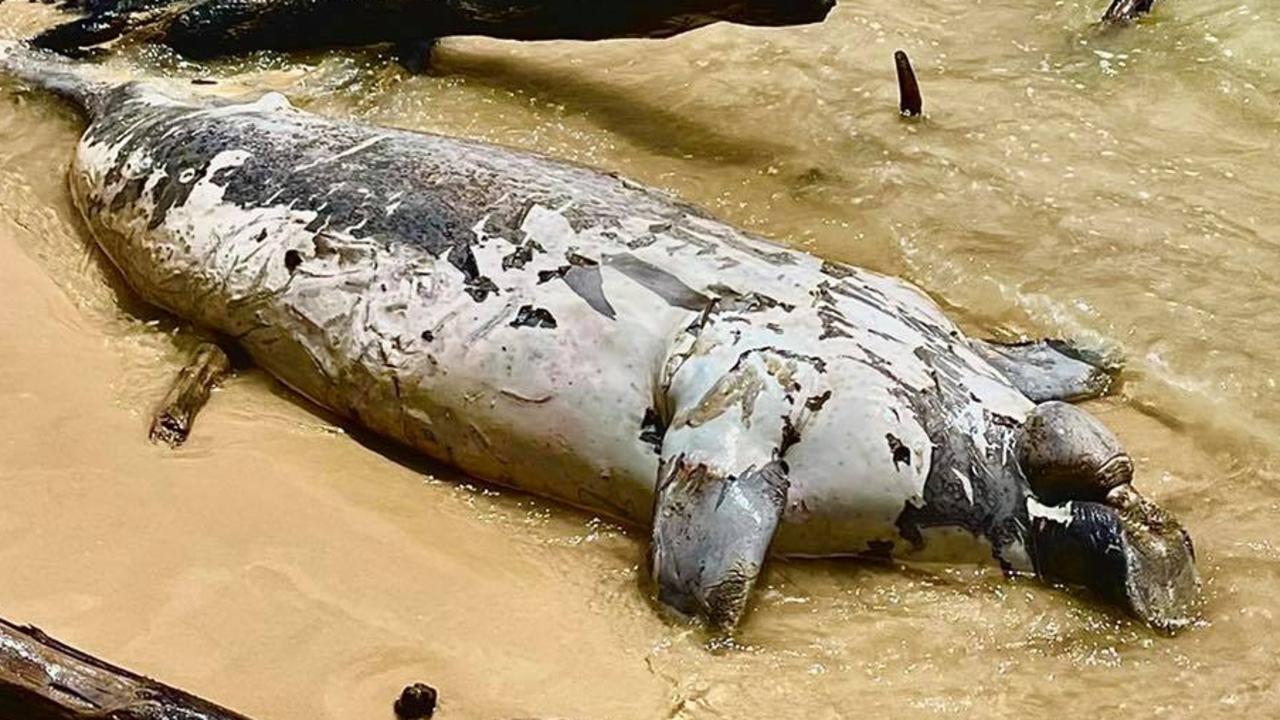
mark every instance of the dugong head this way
{"type": "Point", "coordinates": [1097, 530]}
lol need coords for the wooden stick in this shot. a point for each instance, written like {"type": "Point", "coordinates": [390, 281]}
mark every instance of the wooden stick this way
{"type": "Point", "coordinates": [43, 679]}
{"type": "Point", "coordinates": [190, 391]}
{"type": "Point", "coordinates": [910, 104]}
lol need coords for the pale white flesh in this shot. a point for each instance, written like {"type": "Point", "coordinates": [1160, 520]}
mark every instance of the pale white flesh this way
{"type": "Point", "coordinates": [383, 331]}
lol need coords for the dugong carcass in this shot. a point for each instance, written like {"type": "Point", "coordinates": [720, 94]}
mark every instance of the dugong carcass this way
{"type": "Point", "coordinates": [208, 28]}
{"type": "Point", "coordinates": [563, 331]}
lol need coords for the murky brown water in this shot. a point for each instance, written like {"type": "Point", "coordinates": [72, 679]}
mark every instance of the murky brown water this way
{"type": "Point", "coordinates": [1116, 187]}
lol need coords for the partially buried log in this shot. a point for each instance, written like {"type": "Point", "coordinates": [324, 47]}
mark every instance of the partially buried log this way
{"type": "Point", "coordinates": [189, 393]}
{"type": "Point", "coordinates": [43, 679]}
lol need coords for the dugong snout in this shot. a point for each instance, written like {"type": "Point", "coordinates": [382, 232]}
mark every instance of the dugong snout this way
{"type": "Point", "coordinates": [1128, 550]}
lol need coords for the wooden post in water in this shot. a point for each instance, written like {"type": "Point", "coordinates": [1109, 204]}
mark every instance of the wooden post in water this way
{"type": "Point", "coordinates": [910, 104]}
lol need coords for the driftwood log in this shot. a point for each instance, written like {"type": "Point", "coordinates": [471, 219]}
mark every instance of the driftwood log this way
{"type": "Point", "coordinates": [43, 679]}
{"type": "Point", "coordinates": [208, 28]}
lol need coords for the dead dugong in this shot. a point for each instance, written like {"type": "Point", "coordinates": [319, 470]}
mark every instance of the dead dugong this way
{"type": "Point", "coordinates": [557, 329]}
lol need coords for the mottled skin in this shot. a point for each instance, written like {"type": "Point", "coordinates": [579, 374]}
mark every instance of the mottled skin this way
{"type": "Point", "coordinates": [563, 331]}
{"type": "Point", "coordinates": [381, 273]}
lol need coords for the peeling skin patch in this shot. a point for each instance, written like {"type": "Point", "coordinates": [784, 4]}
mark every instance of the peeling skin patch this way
{"type": "Point", "coordinates": [507, 222]}
{"type": "Point", "coordinates": [790, 436]}
{"type": "Point", "coordinates": [1060, 514]}
{"type": "Point", "coordinates": [740, 387]}
{"type": "Point", "coordinates": [973, 483]}
{"type": "Point", "coordinates": [530, 316]}
{"type": "Point", "coordinates": [901, 453]}
{"type": "Point", "coordinates": [583, 277]}
{"type": "Point", "coordinates": [521, 256]}
{"type": "Point", "coordinates": [658, 281]}
{"type": "Point", "coordinates": [478, 286]}
{"type": "Point", "coordinates": [819, 365]}
{"type": "Point", "coordinates": [834, 322]}
{"type": "Point", "coordinates": [816, 402]}
{"type": "Point", "coordinates": [837, 270]}
{"type": "Point", "coordinates": [730, 300]}
{"type": "Point", "coordinates": [546, 276]}
{"type": "Point", "coordinates": [883, 336]}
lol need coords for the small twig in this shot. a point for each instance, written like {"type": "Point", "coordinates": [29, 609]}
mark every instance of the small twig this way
{"type": "Point", "coordinates": [189, 393]}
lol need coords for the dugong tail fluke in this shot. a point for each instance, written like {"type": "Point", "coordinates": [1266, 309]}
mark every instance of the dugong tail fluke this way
{"type": "Point", "coordinates": [572, 334]}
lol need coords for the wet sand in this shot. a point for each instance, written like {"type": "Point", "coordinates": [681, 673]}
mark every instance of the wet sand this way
{"type": "Point", "coordinates": [281, 566]}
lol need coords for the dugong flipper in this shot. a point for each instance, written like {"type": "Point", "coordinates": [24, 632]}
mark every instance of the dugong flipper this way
{"type": "Point", "coordinates": [1051, 369]}
{"type": "Point", "coordinates": [711, 533]}
{"type": "Point", "coordinates": [723, 478]}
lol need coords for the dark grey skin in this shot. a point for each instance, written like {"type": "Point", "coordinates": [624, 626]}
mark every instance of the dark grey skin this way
{"type": "Point", "coordinates": [1126, 12]}
{"type": "Point", "coordinates": [561, 330]}
{"type": "Point", "coordinates": [210, 28]}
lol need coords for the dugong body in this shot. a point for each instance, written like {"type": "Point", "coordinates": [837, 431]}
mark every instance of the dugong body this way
{"type": "Point", "coordinates": [566, 332]}
{"type": "Point", "coordinates": [529, 321]}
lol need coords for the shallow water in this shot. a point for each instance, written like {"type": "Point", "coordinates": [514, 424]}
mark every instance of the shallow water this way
{"type": "Point", "coordinates": [1115, 187]}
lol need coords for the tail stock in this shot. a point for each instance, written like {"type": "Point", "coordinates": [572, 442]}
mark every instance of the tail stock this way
{"type": "Point", "coordinates": [66, 78]}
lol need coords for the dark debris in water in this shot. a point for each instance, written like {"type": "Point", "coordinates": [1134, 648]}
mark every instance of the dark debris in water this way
{"type": "Point", "coordinates": [910, 103]}
{"type": "Point", "coordinates": [416, 701]}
